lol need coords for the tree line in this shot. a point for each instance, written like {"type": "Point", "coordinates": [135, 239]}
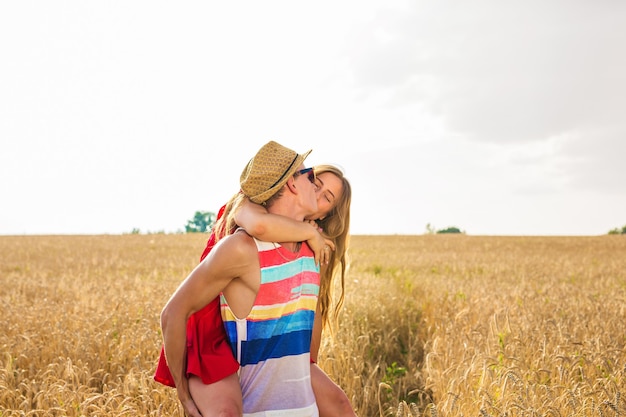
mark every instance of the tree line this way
{"type": "Point", "coordinates": [202, 221]}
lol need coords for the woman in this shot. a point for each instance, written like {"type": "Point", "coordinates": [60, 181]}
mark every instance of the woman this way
{"type": "Point", "coordinates": [211, 367]}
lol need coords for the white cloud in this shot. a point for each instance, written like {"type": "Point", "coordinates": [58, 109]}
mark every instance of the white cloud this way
{"type": "Point", "coordinates": [500, 71]}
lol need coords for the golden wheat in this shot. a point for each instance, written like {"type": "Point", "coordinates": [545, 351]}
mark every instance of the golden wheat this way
{"type": "Point", "coordinates": [432, 325]}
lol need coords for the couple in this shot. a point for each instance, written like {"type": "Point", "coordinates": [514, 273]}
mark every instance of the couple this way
{"type": "Point", "coordinates": [269, 297]}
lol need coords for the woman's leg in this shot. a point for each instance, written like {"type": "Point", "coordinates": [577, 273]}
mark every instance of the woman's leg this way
{"type": "Point", "coordinates": [331, 400]}
{"type": "Point", "coordinates": [219, 399]}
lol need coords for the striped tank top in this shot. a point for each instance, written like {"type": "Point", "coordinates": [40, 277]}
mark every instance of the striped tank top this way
{"type": "Point", "coordinates": [273, 343]}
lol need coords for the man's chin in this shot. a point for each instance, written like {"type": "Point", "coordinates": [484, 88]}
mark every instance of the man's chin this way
{"type": "Point", "coordinates": [314, 217]}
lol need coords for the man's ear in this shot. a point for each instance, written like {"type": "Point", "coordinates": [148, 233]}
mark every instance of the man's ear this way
{"type": "Point", "coordinates": [291, 185]}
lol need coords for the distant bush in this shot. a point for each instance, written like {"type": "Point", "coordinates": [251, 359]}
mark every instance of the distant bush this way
{"type": "Point", "coordinates": [618, 231]}
{"type": "Point", "coordinates": [430, 230]}
{"type": "Point", "coordinates": [451, 229]}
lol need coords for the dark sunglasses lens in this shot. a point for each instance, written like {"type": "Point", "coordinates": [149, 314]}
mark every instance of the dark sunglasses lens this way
{"type": "Point", "coordinates": [312, 176]}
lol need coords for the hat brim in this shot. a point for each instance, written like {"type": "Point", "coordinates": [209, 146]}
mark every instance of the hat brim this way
{"type": "Point", "coordinates": [266, 195]}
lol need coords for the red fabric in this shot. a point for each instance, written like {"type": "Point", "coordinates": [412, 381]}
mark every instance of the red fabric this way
{"type": "Point", "coordinates": [211, 242]}
{"type": "Point", "coordinates": [209, 355]}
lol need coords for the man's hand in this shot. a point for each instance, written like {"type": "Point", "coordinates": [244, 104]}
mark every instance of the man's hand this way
{"type": "Point", "coordinates": [184, 396]}
{"type": "Point", "coordinates": [190, 408]}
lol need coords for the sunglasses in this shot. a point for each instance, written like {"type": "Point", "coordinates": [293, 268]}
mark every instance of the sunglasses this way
{"type": "Point", "coordinates": [310, 174]}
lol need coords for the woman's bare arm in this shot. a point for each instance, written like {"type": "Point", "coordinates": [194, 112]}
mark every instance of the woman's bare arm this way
{"type": "Point", "coordinates": [316, 337]}
{"type": "Point", "coordinates": [276, 228]}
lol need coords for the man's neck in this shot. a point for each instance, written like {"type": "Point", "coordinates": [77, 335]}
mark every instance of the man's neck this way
{"type": "Point", "coordinates": [291, 246]}
{"type": "Point", "coordinates": [290, 209]}
{"type": "Point", "coordinates": [284, 207]}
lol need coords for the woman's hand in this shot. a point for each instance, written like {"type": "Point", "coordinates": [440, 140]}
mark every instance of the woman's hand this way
{"type": "Point", "coordinates": [320, 246]}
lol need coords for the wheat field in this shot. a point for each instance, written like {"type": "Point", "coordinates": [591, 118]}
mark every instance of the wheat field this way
{"type": "Point", "coordinates": [434, 325]}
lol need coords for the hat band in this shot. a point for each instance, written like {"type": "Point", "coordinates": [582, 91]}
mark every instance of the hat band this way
{"type": "Point", "coordinates": [285, 173]}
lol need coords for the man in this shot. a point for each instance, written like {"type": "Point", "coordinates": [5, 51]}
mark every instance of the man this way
{"type": "Point", "coordinates": [268, 295]}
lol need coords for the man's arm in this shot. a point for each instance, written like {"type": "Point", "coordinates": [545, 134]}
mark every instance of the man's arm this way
{"type": "Point", "coordinates": [229, 260]}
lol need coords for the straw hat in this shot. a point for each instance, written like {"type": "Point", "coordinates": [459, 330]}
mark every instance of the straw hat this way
{"type": "Point", "coordinates": [269, 170]}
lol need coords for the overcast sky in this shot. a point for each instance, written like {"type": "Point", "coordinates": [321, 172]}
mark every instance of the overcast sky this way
{"type": "Point", "coordinates": [494, 117]}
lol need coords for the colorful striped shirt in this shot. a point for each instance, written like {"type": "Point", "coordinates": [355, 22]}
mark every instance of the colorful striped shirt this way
{"type": "Point", "coordinates": [272, 344]}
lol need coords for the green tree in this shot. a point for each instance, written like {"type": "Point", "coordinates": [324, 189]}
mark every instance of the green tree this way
{"type": "Point", "coordinates": [451, 229]}
{"type": "Point", "coordinates": [618, 231]}
{"type": "Point", "coordinates": [201, 222]}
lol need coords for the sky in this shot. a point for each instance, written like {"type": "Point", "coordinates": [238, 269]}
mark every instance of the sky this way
{"type": "Point", "coordinates": [499, 118]}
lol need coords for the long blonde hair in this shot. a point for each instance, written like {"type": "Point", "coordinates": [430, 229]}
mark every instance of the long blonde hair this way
{"type": "Point", "coordinates": [226, 224]}
{"type": "Point", "coordinates": [335, 226]}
